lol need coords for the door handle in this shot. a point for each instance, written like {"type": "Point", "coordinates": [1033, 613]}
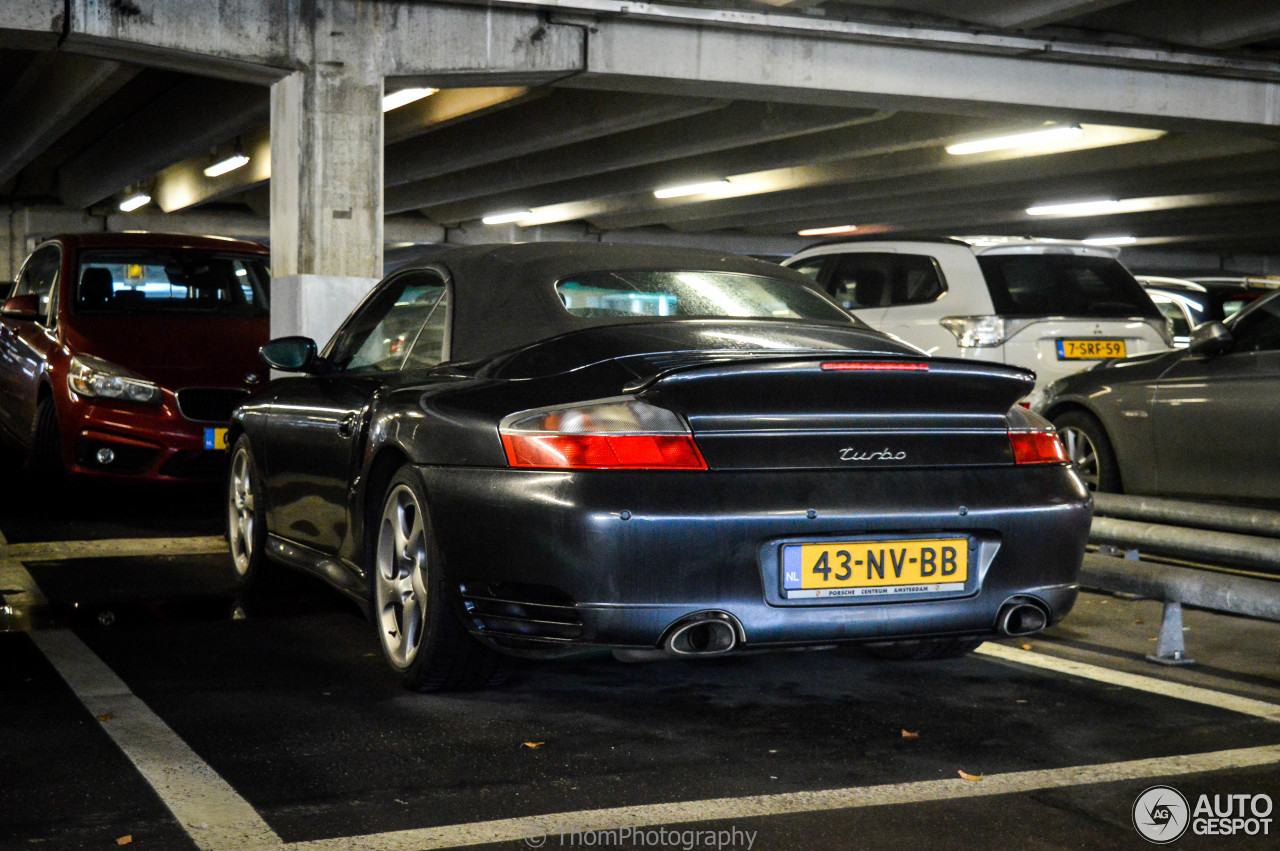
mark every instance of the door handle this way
{"type": "Point", "coordinates": [347, 425]}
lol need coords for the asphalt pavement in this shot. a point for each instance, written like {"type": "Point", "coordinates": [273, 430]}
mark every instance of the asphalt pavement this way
{"type": "Point", "coordinates": [145, 701]}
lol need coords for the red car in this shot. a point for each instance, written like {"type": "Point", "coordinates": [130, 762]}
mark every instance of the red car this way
{"type": "Point", "coordinates": [123, 355]}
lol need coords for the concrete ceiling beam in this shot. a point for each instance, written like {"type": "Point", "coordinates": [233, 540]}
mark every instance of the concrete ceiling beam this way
{"type": "Point", "coordinates": [458, 46]}
{"type": "Point", "coordinates": [886, 201]}
{"type": "Point", "coordinates": [31, 24]}
{"type": "Point", "coordinates": [892, 173]}
{"type": "Point", "coordinates": [1177, 214]}
{"type": "Point", "coordinates": [448, 107]}
{"type": "Point", "coordinates": [242, 40]}
{"type": "Point", "coordinates": [1012, 198]}
{"type": "Point", "coordinates": [1217, 25]}
{"type": "Point", "coordinates": [53, 94]}
{"type": "Point", "coordinates": [561, 118]}
{"type": "Point", "coordinates": [801, 68]}
{"type": "Point", "coordinates": [1003, 14]}
{"type": "Point", "coordinates": [721, 133]}
{"type": "Point", "coordinates": [261, 42]}
{"type": "Point", "coordinates": [190, 119]}
{"type": "Point", "coordinates": [631, 189]}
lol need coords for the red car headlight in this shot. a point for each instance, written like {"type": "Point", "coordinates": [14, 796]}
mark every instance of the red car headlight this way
{"type": "Point", "coordinates": [100, 379]}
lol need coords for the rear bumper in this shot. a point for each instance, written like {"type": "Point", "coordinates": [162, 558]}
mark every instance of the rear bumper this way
{"type": "Point", "coordinates": [564, 560]}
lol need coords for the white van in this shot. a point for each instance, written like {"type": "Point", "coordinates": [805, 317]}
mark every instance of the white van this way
{"type": "Point", "coordinates": [1053, 306]}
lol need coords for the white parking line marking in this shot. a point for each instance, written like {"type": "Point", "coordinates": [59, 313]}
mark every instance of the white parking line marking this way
{"type": "Point", "coordinates": [1138, 682]}
{"type": "Point", "coordinates": [216, 817]}
{"type": "Point", "coordinates": [550, 827]}
{"type": "Point", "coordinates": [113, 548]}
{"type": "Point", "coordinates": [25, 594]}
{"type": "Point", "coordinates": [212, 813]}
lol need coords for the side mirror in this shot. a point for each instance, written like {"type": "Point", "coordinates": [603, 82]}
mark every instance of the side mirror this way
{"type": "Point", "coordinates": [290, 354]}
{"type": "Point", "coordinates": [22, 307]}
{"type": "Point", "coordinates": [1211, 338]}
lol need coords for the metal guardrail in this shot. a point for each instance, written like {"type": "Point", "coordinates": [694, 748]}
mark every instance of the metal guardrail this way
{"type": "Point", "coordinates": [1199, 515]}
{"type": "Point", "coordinates": [1208, 534]}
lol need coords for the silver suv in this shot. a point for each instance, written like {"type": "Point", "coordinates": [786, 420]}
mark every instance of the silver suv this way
{"type": "Point", "coordinates": [1052, 306]}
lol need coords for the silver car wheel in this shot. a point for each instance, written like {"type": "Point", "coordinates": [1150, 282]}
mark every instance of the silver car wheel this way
{"type": "Point", "coordinates": [1083, 454]}
{"type": "Point", "coordinates": [240, 508]}
{"type": "Point", "coordinates": [400, 564]}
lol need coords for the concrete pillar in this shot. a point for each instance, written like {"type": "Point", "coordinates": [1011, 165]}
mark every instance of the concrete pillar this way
{"type": "Point", "coordinates": [22, 228]}
{"type": "Point", "coordinates": [326, 173]}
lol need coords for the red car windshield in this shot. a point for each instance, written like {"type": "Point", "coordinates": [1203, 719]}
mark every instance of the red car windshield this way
{"type": "Point", "coordinates": [168, 281]}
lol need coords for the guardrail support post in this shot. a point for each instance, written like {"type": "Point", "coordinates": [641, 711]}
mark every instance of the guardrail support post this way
{"type": "Point", "coordinates": [1169, 648]}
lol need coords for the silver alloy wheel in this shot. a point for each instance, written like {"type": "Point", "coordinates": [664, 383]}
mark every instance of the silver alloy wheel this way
{"type": "Point", "coordinates": [400, 564]}
{"type": "Point", "coordinates": [1083, 454]}
{"type": "Point", "coordinates": [240, 508]}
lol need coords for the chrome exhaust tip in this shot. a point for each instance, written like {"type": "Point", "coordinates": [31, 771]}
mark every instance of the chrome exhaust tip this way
{"type": "Point", "coordinates": [1022, 617]}
{"type": "Point", "coordinates": [703, 634]}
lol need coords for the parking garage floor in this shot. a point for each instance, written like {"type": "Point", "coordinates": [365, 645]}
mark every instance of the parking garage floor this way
{"type": "Point", "coordinates": [145, 705]}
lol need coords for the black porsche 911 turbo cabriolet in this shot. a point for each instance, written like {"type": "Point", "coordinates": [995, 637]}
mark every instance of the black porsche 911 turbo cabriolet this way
{"type": "Point", "coordinates": [547, 448]}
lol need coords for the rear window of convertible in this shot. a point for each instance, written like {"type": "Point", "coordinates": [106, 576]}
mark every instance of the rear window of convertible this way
{"type": "Point", "coordinates": [689, 294]}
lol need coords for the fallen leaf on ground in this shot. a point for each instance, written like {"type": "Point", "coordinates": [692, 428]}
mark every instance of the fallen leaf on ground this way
{"type": "Point", "coordinates": [124, 840]}
{"type": "Point", "coordinates": [1026, 646]}
{"type": "Point", "coordinates": [966, 776]}
{"type": "Point", "coordinates": [105, 718]}
{"type": "Point", "coordinates": [1139, 620]}
{"type": "Point", "coordinates": [534, 744]}
{"type": "Point", "coordinates": [909, 735]}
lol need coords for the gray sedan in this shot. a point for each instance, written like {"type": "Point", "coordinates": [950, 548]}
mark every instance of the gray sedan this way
{"type": "Point", "coordinates": [1197, 422]}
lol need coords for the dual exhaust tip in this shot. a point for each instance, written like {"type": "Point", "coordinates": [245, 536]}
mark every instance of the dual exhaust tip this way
{"type": "Point", "coordinates": [715, 633]}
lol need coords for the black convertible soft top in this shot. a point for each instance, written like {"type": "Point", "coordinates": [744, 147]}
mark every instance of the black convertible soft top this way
{"type": "Point", "coordinates": [505, 296]}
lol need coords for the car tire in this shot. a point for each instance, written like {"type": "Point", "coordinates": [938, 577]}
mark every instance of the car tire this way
{"type": "Point", "coordinates": [1090, 450]}
{"type": "Point", "coordinates": [246, 517]}
{"type": "Point", "coordinates": [418, 628]}
{"type": "Point", "coordinates": [925, 649]}
{"type": "Point", "coordinates": [46, 461]}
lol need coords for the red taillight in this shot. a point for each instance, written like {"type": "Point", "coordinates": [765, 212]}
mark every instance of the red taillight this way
{"type": "Point", "coordinates": [598, 451]}
{"type": "Point", "coordinates": [1037, 447]}
{"type": "Point", "coordinates": [876, 366]}
{"type": "Point", "coordinates": [623, 433]}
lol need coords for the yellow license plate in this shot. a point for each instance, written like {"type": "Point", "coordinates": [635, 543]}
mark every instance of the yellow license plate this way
{"type": "Point", "coordinates": [875, 568]}
{"type": "Point", "coordinates": [1090, 349]}
{"type": "Point", "coordinates": [215, 438]}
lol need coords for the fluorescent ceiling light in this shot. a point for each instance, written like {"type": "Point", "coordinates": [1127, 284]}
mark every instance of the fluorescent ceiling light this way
{"type": "Point", "coordinates": [1075, 208]}
{"type": "Point", "coordinates": [1110, 240]}
{"type": "Point", "coordinates": [506, 218]}
{"type": "Point", "coordinates": [133, 202]}
{"type": "Point", "coordinates": [832, 231]}
{"type": "Point", "coordinates": [690, 189]}
{"type": "Point", "coordinates": [395, 100]}
{"type": "Point", "coordinates": [221, 167]}
{"type": "Point", "coordinates": [1047, 136]}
